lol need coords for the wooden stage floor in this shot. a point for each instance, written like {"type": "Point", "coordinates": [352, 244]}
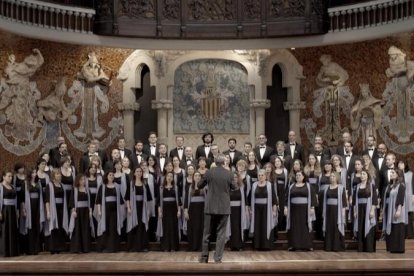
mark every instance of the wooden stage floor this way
{"type": "Point", "coordinates": [278, 262]}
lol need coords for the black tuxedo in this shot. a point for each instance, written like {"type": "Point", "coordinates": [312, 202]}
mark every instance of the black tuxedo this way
{"type": "Point", "coordinates": [351, 166]}
{"type": "Point", "coordinates": [183, 163]}
{"type": "Point", "coordinates": [298, 154]}
{"type": "Point", "coordinates": [134, 159]}
{"type": "Point", "coordinates": [237, 156]}
{"type": "Point", "coordinates": [376, 165]}
{"type": "Point", "coordinates": [53, 153]}
{"type": "Point", "coordinates": [127, 153]}
{"type": "Point", "coordinates": [326, 153]}
{"type": "Point", "coordinates": [287, 160]}
{"type": "Point", "coordinates": [174, 152]}
{"type": "Point", "coordinates": [103, 156]}
{"type": "Point", "coordinates": [147, 150]}
{"type": "Point", "coordinates": [200, 152]}
{"type": "Point", "coordinates": [266, 156]}
{"type": "Point", "coordinates": [84, 162]}
{"type": "Point", "coordinates": [383, 180]}
{"type": "Point", "coordinates": [374, 153]}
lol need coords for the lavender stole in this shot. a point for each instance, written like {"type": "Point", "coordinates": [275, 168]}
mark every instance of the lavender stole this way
{"type": "Point", "coordinates": [26, 222]}
{"type": "Point", "coordinates": [369, 222]}
{"type": "Point", "coordinates": [102, 219]}
{"type": "Point", "coordinates": [310, 218]}
{"type": "Point", "coordinates": [53, 222]}
{"type": "Point", "coordinates": [132, 219]}
{"type": "Point", "coordinates": [73, 219]}
{"type": "Point", "coordinates": [160, 232]}
{"type": "Point", "coordinates": [388, 217]}
{"type": "Point", "coordinates": [245, 220]}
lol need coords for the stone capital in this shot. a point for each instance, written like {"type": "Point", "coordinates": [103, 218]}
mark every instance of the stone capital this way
{"type": "Point", "coordinates": [260, 103]}
{"type": "Point", "coordinates": [162, 104]}
{"type": "Point", "coordinates": [129, 106]}
{"type": "Point", "coordinates": [294, 105]}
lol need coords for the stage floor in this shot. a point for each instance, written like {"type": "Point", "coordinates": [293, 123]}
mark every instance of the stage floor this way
{"type": "Point", "coordinates": [278, 262]}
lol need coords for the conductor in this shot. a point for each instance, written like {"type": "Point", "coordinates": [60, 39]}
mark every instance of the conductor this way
{"type": "Point", "coordinates": [217, 207]}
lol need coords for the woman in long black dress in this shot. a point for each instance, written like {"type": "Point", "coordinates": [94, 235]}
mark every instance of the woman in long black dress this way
{"type": "Point", "coordinates": [120, 178]}
{"type": "Point", "coordinates": [93, 182]}
{"type": "Point", "coordinates": [33, 214]}
{"type": "Point", "coordinates": [300, 212]}
{"type": "Point", "coordinates": [333, 210]}
{"type": "Point", "coordinates": [281, 180]}
{"type": "Point", "coordinates": [194, 213]}
{"type": "Point", "coordinates": [81, 228]}
{"type": "Point", "coordinates": [18, 183]}
{"type": "Point", "coordinates": [263, 210]}
{"type": "Point", "coordinates": [153, 184]}
{"type": "Point", "coordinates": [238, 220]}
{"type": "Point", "coordinates": [109, 212]}
{"type": "Point", "coordinates": [8, 217]}
{"type": "Point", "coordinates": [169, 213]}
{"type": "Point", "coordinates": [409, 197]}
{"type": "Point", "coordinates": [43, 177]}
{"type": "Point", "coordinates": [57, 221]}
{"type": "Point", "coordinates": [394, 214]}
{"type": "Point", "coordinates": [137, 198]}
{"type": "Point", "coordinates": [312, 171]}
{"type": "Point", "coordinates": [364, 201]}
{"type": "Point", "coordinates": [68, 176]}
{"type": "Point", "coordinates": [252, 166]}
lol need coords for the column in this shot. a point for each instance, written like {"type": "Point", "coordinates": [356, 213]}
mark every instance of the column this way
{"type": "Point", "coordinates": [162, 107]}
{"type": "Point", "coordinates": [259, 105]}
{"type": "Point", "coordinates": [128, 110]}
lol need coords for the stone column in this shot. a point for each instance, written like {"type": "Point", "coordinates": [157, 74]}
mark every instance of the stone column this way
{"type": "Point", "coordinates": [259, 105]}
{"type": "Point", "coordinates": [294, 116]}
{"type": "Point", "coordinates": [128, 110]}
{"type": "Point", "coordinates": [162, 106]}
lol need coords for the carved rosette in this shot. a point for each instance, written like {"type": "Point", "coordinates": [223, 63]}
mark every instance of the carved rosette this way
{"type": "Point", "coordinates": [294, 105]}
{"type": "Point", "coordinates": [260, 103]}
{"type": "Point", "coordinates": [162, 104]}
{"type": "Point", "coordinates": [129, 106]}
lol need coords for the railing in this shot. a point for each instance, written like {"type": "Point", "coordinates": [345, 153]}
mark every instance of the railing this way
{"type": "Point", "coordinates": [369, 14]}
{"type": "Point", "coordinates": [48, 15]}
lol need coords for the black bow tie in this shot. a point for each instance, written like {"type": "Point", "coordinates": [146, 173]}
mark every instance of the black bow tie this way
{"type": "Point", "coordinates": [262, 147]}
{"type": "Point", "coordinates": [139, 154]}
{"type": "Point", "coordinates": [162, 156]}
{"type": "Point", "coordinates": [206, 146]}
{"type": "Point", "coordinates": [318, 154]}
{"type": "Point", "coordinates": [370, 149]}
{"type": "Point", "coordinates": [292, 144]}
{"type": "Point", "coordinates": [232, 150]}
{"type": "Point", "coordinates": [152, 146]}
{"type": "Point", "coordinates": [179, 148]}
{"type": "Point", "coordinates": [390, 168]}
{"type": "Point", "coordinates": [121, 149]}
{"type": "Point", "coordinates": [347, 155]}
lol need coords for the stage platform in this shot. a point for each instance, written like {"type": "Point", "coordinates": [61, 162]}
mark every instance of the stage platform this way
{"type": "Point", "coordinates": [277, 262]}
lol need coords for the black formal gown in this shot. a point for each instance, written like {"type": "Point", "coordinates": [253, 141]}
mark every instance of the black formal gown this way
{"type": "Point", "coordinates": [93, 189]}
{"type": "Point", "coordinates": [67, 182]}
{"type": "Point", "coordinates": [34, 237]}
{"type": "Point", "coordinates": [334, 240]}
{"type": "Point", "coordinates": [252, 173]}
{"type": "Point", "coordinates": [137, 238]}
{"type": "Point", "coordinates": [395, 241]}
{"type": "Point", "coordinates": [299, 236]}
{"type": "Point", "coordinates": [195, 224]}
{"type": "Point", "coordinates": [323, 184]}
{"type": "Point", "coordinates": [235, 242]}
{"type": "Point", "coordinates": [365, 243]}
{"type": "Point", "coordinates": [260, 240]}
{"type": "Point", "coordinates": [56, 242]}
{"type": "Point", "coordinates": [170, 238]}
{"type": "Point", "coordinates": [281, 193]}
{"type": "Point", "coordinates": [110, 241]}
{"type": "Point", "coordinates": [81, 235]}
{"type": "Point", "coordinates": [9, 237]}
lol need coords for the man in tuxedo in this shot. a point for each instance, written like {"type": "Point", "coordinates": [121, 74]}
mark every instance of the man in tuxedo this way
{"type": "Point", "coordinates": [205, 149]}
{"type": "Point", "coordinates": [138, 156]}
{"type": "Point", "coordinates": [349, 158]}
{"type": "Point", "coordinates": [320, 155]}
{"type": "Point", "coordinates": [379, 159]}
{"type": "Point", "coordinates": [123, 152]}
{"type": "Point", "coordinates": [385, 173]}
{"type": "Point", "coordinates": [62, 152]}
{"type": "Point", "coordinates": [115, 155]}
{"type": "Point", "coordinates": [179, 150]}
{"type": "Point", "coordinates": [163, 158]}
{"type": "Point", "coordinates": [340, 150]}
{"type": "Point", "coordinates": [85, 159]}
{"type": "Point", "coordinates": [234, 154]}
{"type": "Point", "coordinates": [101, 152]}
{"type": "Point", "coordinates": [152, 147]}
{"type": "Point", "coordinates": [262, 151]}
{"type": "Point", "coordinates": [248, 147]}
{"type": "Point", "coordinates": [216, 208]}
{"type": "Point", "coordinates": [371, 150]}
{"type": "Point", "coordinates": [294, 149]}
{"type": "Point", "coordinates": [188, 158]}
{"type": "Point", "coordinates": [53, 152]}
{"type": "Point", "coordinates": [280, 152]}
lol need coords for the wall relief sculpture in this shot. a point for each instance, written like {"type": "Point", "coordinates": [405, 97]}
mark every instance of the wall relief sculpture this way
{"type": "Point", "coordinates": [366, 114]}
{"type": "Point", "coordinates": [287, 8]}
{"type": "Point", "coordinates": [21, 131]}
{"type": "Point", "coordinates": [398, 123]}
{"type": "Point", "coordinates": [200, 10]}
{"type": "Point", "coordinates": [332, 98]}
{"type": "Point", "coordinates": [211, 95]}
{"type": "Point", "coordinates": [138, 8]}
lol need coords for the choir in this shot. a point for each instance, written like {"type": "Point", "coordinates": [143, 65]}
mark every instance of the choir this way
{"type": "Point", "coordinates": [147, 195]}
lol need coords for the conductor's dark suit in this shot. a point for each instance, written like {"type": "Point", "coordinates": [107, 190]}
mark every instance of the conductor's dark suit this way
{"type": "Point", "coordinates": [216, 209]}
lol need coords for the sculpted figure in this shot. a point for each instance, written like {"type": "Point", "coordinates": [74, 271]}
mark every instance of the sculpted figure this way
{"type": "Point", "coordinates": [367, 112]}
{"type": "Point", "coordinates": [331, 73]}
{"type": "Point", "coordinates": [92, 71]}
{"type": "Point", "coordinates": [52, 107]}
{"type": "Point", "coordinates": [399, 66]}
